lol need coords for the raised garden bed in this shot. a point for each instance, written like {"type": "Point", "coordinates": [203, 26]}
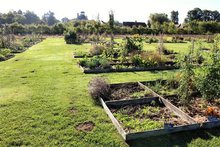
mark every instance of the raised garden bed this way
{"type": "Point", "coordinates": [143, 117]}
{"type": "Point", "coordinates": [139, 112]}
{"type": "Point", "coordinates": [124, 69]}
{"type": "Point", "coordinates": [204, 112]}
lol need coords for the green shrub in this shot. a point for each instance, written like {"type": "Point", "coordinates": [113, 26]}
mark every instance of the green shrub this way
{"type": "Point", "coordinates": [71, 38]}
{"type": "Point", "coordinates": [136, 60]}
{"type": "Point", "coordinates": [187, 80]}
{"type": "Point", "coordinates": [104, 63]}
{"type": "Point", "coordinates": [5, 52]}
{"type": "Point", "coordinates": [209, 83]}
{"type": "Point", "coordinates": [132, 44]}
{"type": "Point", "coordinates": [95, 62]}
{"type": "Point", "coordinates": [2, 58]}
{"type": "Point", "coordinates": [83, 62]}
{"type": "Point", "coordinates": [152, 40]}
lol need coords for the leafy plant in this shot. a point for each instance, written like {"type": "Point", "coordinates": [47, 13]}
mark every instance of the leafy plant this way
{"type": "Point", "coordinates": [95, 62]}
{"type": "Point", "coordinates": [132, 44]}
{"type": "Point", "coordinates": [2, 58]}
{"type": "Point", "coordinates": [198, 53]}
{"type": "Point", "coordinates": [136, 60]}
{"type": "Point", "coordinates": [5, 52]}
{"type": "Point", "coordinates": [71, 37]}
{"type": "Point", "coordinates": [186, 83]}
{"type": "Point", "coordinates": [209, 83]}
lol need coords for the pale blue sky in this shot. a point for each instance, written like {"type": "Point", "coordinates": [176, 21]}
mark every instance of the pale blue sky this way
{"type": "Point", "coordinates": [125, 10]}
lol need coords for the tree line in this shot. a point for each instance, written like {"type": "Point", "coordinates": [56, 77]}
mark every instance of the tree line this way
{"type": "Point", "coordinates": [197, 21]}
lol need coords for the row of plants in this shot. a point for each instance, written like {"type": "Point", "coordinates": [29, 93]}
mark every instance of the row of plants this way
{"type": "Point", "coordinates": [97, 62]}
{"type": "Point", "coordinates": [127, 54]}
{"type": "Point", "coordinates": [11, 44]}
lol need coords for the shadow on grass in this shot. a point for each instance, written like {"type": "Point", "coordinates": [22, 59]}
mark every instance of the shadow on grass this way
{"type": "Point", "coordinates": [176, 139]}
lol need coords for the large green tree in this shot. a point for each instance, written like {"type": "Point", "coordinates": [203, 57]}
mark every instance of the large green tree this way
{"type": "Point", "coordinates": [49, 18]}
{"type": "Point", "coordinates": [175, 17]}
{"type": "Point", "coordinates": [31, 17]}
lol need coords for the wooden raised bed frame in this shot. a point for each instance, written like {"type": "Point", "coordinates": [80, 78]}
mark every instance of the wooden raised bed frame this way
{"type": "Point", "coordinates": [135, 69]}
{"type": "Point", "coordinates": [157, 132]}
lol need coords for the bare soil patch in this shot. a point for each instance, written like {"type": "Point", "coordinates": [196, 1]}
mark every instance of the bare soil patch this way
{"type": "Point", "coordinates": [86, 126]}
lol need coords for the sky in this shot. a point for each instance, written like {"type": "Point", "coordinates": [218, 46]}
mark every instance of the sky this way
{"type": "Point", "coordinates": [124, 10]}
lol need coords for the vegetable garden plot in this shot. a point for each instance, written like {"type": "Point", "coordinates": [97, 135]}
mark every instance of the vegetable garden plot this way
{"type": "Point", "coordinates": [124, 68]}
{"type": "Point", "coordinates": [201, 110]}
{"type": "Point", "coordinates": [150, 116]}
{"type": "Point", "coordinates": [143, 117]}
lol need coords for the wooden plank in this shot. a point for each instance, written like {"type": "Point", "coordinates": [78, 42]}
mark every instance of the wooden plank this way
{"type": "Point", "coordinates": [209, 125]}
{"type": "Point", "coordinates": [120, 103]}
{"type": "Point", "coordinates": [93, 71]}
{"type": "Point", "coordinates": [173, 108]}
{"type": "Point", "coordinates": [158, 132]}
{"type": "Point", "coordinates": [150, 82]}
{"type": "Point", "coordinates": [113, 119]}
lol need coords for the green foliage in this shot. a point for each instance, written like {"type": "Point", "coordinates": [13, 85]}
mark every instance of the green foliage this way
{"type": "Point", "coordinates": [5, 52]}
{"type": "Point", "coordinates": [2, 58]}
{"type": "Point", "coordinates": [202, 15]}
{"type": "Point", "coordinates": [174, 17]}
{"type": "Point", "coordinates": [136, 60]}
{"type": "Point", "coordinates": [71, 38]}
{"type": "Point", "coordinates": [209, 83]}
{"type": "Point", "coordinates": [49, 18]}
{"type": "Point", "coordinates": [95, 62]}
{"type": "Point", "coordinates": [134, 43]}
{"type": "Point", "coordinates": [151, 40]}
{"type": "Point", "coordinates": [135, 124]}
{"type": "Point", "coordinates": [58, 29]}
{"type": "Point", "coordinates": [187, 77]}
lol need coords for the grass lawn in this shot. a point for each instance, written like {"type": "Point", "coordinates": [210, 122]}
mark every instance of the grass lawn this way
{"type": "Point", "coordinates": [43, 98]}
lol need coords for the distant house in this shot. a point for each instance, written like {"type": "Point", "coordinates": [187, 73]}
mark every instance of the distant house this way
{"type": "Point", "coordinates": [81, 16]}
{"type": "Point", "coordinates": [131, 24]}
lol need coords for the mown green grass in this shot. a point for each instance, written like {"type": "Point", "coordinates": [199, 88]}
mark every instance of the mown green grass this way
{"type": "Point", "coordinates": [43, 97]}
